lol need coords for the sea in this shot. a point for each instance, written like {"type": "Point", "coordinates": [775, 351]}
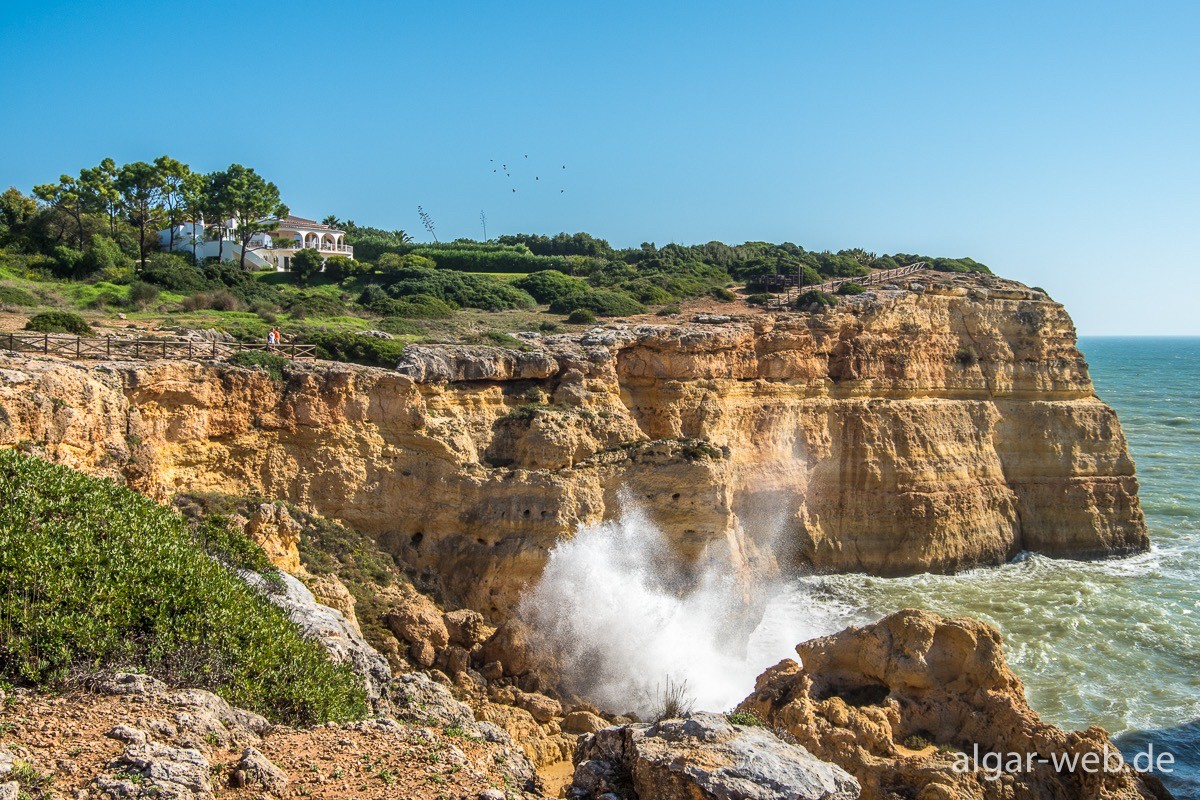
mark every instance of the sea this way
{"type": "Point", "coordinates": [1114, 643]}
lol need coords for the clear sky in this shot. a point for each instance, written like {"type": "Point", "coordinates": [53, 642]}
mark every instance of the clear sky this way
{"type": "Point", "coordinates": [1055, 141]}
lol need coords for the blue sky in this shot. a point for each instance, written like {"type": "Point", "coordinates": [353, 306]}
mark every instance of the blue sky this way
{"type": "Point", "coordinates": [1055, 141]}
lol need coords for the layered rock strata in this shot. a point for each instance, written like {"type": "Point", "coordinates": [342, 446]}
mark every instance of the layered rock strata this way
{"type": "Point", "coordinates": [932, 427]}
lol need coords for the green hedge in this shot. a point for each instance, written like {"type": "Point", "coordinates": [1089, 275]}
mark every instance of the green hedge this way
{"type": "Point", "coordinates": [95, 576]}
{"type": "Point", "coordinates": [488, 260]}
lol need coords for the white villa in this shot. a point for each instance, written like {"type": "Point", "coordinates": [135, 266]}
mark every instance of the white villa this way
{"type": "Point", "coordinates": [272, 250]}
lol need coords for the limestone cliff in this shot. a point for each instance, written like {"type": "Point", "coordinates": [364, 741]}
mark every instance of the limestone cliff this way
{"type": "Point", "coordinates": [932, 427]}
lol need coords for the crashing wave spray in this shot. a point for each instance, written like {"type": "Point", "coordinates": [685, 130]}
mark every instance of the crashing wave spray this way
{"type": "Point", "coordinates": [618, 614]}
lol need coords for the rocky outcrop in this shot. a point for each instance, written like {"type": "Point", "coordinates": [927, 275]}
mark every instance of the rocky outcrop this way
{"type": "Point", "coordinates": [703, 757]}
{"type": "Point", "coordinates": [341, 639]}
{"type": "Point", "coordinates": [901, 431]}
{"type": "Point", "coordinates": [148, 741]}
{"type": "Point", "coordinates": [926, 707]}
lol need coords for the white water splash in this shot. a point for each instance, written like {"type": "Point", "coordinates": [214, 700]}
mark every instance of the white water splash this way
{"type": "Point", "coordinates": [613, 605]}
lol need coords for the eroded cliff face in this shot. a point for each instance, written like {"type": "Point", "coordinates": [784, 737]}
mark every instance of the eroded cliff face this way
{"type": "Point", "coordinates": [903, 431]}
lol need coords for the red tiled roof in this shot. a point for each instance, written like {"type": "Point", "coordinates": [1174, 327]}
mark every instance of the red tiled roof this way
{"type": "Point", "coordinates": [292, 221]}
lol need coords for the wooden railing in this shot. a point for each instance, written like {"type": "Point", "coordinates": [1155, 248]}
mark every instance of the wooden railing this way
{"type": "Point", "coordinates": [788, 298]}
{"type": "Point", "coordinates": [53, 344]}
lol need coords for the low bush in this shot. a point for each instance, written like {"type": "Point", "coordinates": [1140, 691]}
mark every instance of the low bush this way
{"type": "Point", "coordinates": [550, 285]}
{"type": "Point", "coordinates": [814, 296]}
{"type": "Point", "coordinates": [760, 299]}
{"type": "Point", "coordinates": [420, 306]}
{"type": "Point", "coordinates": [58, 322]}
{"type": "Point", "coordinates": [142, 294]}
{"type": "Point", "coordinates": [722, 294]}
{"type": "Point", "coordinates": [220, 300]}
{"type": "Point", "coordinates": [601, 302]}
{"type": "Point", "coordinates": [94, 576]}
{"type": "Point", "coordinates": [462, 289]}
{"type": "Point", "coordinates": [581, 316]}
{"type": "Point", "coordinates": [669, 311]}
{"type": "Point", "coordinates": [173, 273]}
{"type": "Point", "coordinates": [315, 304]}
{"type": "Point", "coordinates": [272, 363]}
{"type": "Point", "coordinates": [350, 346]}
{"type": "Point", "coordinates": [851, 288]}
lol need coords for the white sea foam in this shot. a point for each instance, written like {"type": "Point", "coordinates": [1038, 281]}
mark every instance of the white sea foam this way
{"type": "Point", "coordinates": [615, 608]}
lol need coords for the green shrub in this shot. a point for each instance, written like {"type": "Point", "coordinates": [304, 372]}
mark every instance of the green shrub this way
{"type": "Point", "coordinates": [220, 300]}
{"type": "Point", "coordinates": [350, 346]}
{"type": "Point", "coordinates": [581, 316]}
{"type": "Point", "coordinates": [813, 296]}
{"type": "Point", "coordinates": [58, 322]}
{"type": "Point", "coordinates": [550, 285]}
{"type": "Point", "coordinates": [106, 256]}
{"type": "Point", "coordinates": [15, 296]}
{"type": "Point", "coordinates": [271, 363]}
{"type": "Point", "coordinates": [747, 718]}
{"type": "Point", "coordinates": [173, 273]}
{"type": "Point", "coordinates": [315, 304]}
{"type": "Point", "coordinates": [669, 311]}
{"type": "Point", "coordinates": [217, 536]}
{"type": "Point", "coordinates": [420, 306]}
{"type": "Point", "coordinates": [722, 294]}
{"type": "Point", "coordinates": [471, 291]}
{"type": "Point", "coordinates": [760, 299]}
{"type": "Point", "coordinates": [601, 302]}
{"type": "Point", "coordinates": [851, 288]}
{"type": "Point", "coordinates": [94, 576]}
{"type": "Point", "coordinates": [68, 262]}
{"type": "Point", "coordinates": [142, 294]}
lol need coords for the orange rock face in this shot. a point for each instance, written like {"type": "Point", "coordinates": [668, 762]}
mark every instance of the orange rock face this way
{"type": "Point", "coordinates": [921, 706]}
{"type": "Point", "coordinates": [902, 431]}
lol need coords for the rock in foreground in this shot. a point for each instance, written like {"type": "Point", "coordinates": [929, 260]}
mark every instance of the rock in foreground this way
{"type": "Point", "coordinates": [703, 756]}
{"type": "Point", "coordinates": [906, 705]}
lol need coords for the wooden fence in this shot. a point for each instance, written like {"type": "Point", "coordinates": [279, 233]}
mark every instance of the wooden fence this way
{"type": "Point", "coordinates": [788, 298]}
{"type": "Point", "coordinates": [119, 347]}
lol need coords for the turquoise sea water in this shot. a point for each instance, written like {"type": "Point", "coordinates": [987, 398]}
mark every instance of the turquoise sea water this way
{"type": "Point", "coordinates": [1113, 643]}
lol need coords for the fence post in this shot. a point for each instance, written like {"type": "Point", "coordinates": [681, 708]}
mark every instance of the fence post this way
{"type": "Point", "coordinates": [78, 344]}
{"type": "Point", "coordinates": [108, 346]}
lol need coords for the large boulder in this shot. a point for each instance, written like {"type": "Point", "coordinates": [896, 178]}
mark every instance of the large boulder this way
{"type": "Point", "coordinates": [331, 629]}
{"type": "Point", "coordinates": [418, 622]}
{"type": "Point", "coordinates": [703, 757]}
{"type": "Point", "coordinates": [909, 703]}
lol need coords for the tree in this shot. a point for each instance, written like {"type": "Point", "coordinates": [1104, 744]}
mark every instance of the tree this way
{"type": "Point", "coordinates": [251, 199]}
{"type": "Point", "coordinates": [339, 268]}
{"type": "Point", "coordinates": [175, 175]}
{"type": "Point", "coordinates": [101, 194]}
{"type": "Point", "coordinates": [306, 263]}
{"type": "Point", "coordinates": [193, 204]}
{"type": "Point", "coordinates": [141, 187]}
{"type": "Point", "coordinates": [16, 209]}
{"type": "Point", "coordinates": [67, 196]}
